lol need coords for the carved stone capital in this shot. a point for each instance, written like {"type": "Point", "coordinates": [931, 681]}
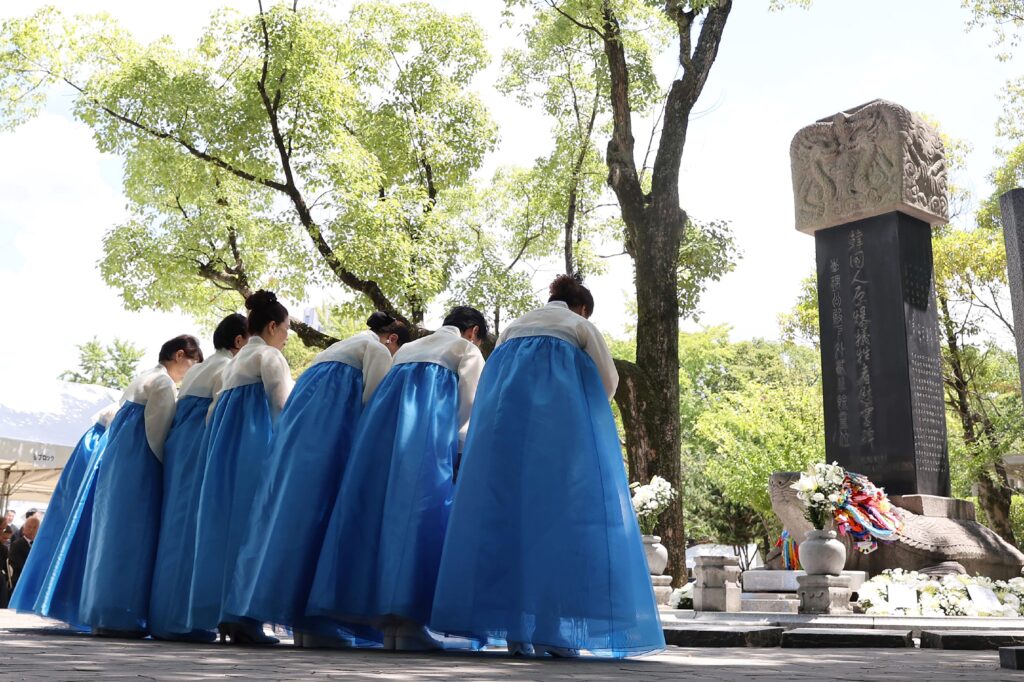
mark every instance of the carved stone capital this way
{"type": "Point", "coordinates": [867, 161]}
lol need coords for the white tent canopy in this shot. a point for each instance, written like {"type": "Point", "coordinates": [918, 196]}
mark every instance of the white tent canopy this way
{"type": "Point", "coordinates": [39, 426]}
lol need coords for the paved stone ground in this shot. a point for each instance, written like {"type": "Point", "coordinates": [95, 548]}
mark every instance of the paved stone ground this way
{"type": "Point", "coordinates": [34, 649]}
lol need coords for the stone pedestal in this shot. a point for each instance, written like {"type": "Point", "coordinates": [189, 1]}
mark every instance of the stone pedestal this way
{"type": "Point", "coordinates": [869, 183]}
{"type": "Point", "coordinates": [769, 581]}
{"type": "Point", "coordinates": [824, 593]}
{"type": "Point", "coordinates": [662, 588]}
{"type": "Point", "coordinates": [935, 506]}
{"type": "Point", "coordinates": [717, 586]}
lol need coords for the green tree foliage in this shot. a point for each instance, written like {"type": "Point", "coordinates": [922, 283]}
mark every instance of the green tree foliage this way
{"type": "Point", "coordinates": [112, 365]}
{"type": "Point", "coordinates": [285, 149]}
{"type": "Point", "coordinates": [768, 420]}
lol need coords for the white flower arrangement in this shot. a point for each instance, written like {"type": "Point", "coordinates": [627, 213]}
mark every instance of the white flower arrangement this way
{"type": "Point", "coordinates": [681, 597]}
{"type": "Point", "coordinates": [820, 488]}
{"type": "Point", "coordinates": [649, 501]}
{"type": "Point", "coordinates": [945, 596]}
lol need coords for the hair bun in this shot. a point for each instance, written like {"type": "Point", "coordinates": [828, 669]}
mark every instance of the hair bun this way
{"type": "Point", "coordinates": [379, 320]}
{"type": "Point", "coordinates": [260, 299]}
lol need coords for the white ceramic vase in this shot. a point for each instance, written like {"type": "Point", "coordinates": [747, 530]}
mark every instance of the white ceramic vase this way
{"type": "Point", "coordinates": [656, 553]}
{"type": "Point", "coordinates": [821, 553]}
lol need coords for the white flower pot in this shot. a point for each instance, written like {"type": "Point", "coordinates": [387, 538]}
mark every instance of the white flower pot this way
{"type": "Point", "coordinates": [656, 553]}
{"type": "Point", "coordinates": [821, 553]}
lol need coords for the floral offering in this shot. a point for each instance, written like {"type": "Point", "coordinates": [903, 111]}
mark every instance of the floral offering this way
{"type": "Point", "coordinates": [939, 596]}
{"type": "Point", "coordinates": [851, 502]}
{"type": "Point", "coordinates": [649, 501]}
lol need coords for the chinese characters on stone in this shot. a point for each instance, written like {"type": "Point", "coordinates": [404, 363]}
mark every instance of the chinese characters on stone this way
{"type": "Point", "coordinates": [862, 337]}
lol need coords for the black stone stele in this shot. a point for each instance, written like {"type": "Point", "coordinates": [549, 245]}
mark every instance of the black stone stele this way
{"type": "Point", "coordinates": [1011, 206]}
{"type": "Point", "coordinates": [880, 354]}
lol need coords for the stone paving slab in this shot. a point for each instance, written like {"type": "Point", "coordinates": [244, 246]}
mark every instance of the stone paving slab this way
{"type": "Point", "coordinates": [860, 621]}
{"type": "Point", "coordinates": [970, 639]}
{"type": "Point", "coordinates": [834, 638]}
{"type": "Point", "coordinates": [1011, 657]}
{"type": "Point", "coordinates": [723, 636]}
{"type": "Point", "coordinates": [32, 650]}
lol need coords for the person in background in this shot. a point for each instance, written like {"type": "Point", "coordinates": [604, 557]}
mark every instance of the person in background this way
{"type": "Point", "coordinates": [58, 511]}
{"type": "Point", "coordinates": [5, 570]}
{"type": "Point", "coordinates": [183, 471]}
{"type": "Point", "coordinates": [308, 454]}
{"type": "Point", "coordinates": [543, 551]}
{"type": "Point", "coordinates": [21, 548]}
{"type": "Point", "coordinates": [126, 511]}
{"type": "Point", "coordinates": [380, 553]}
{"type": "Point", "coordinates": [256, 385]}
{"type": "Point", "coordinates": [9, 517]}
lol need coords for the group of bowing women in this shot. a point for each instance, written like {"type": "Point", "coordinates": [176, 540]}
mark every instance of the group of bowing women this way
{"type": "Point", "coordinates": [400, 495]}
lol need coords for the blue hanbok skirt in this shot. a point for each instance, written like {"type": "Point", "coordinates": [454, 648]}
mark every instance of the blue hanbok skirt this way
{"type": "Point", "coordinates": [183, 476]}
{"type": "Point", "coordinates": [308, 453]}
{"type": "Point", "coordinates": [236, 460]}
{"type": "Point", "coordinates": [58, 511]}
{"type": "Point", "coordinates": [383, 541]}
{"type": "Point", "coordinates": [60, 593]}
{"type": "Point", "coordinates": [543, 546]}
{"type": "Point", "coordinates": [125, 528]}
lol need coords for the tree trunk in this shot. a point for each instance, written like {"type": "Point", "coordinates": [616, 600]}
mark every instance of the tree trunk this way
{"type": "Point", "coordinates": [654, 230]}
{"type": "Point", "coordinates": [994, 498]}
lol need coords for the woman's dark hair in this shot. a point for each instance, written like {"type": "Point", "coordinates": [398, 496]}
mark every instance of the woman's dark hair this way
{"type": "Point", "coordinates": [232, 326]}
{"type": "Point", "coordinates": [570, 290]}
{"type": "Point", "coordinates": [189, 344]}
{"type": "Point", "coordinates": [382, 323]}
{"type": "Point", "coordinates": [464, 317]}
{"type": "Point", "coordinates": [264, 308]}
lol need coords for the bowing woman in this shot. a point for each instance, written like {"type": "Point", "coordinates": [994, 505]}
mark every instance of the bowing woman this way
{"type": "Point", "coordinates": [129, 487]}
{"type": "Point", "coordinates": [58, 511]}
{"type": "Point", "coordinates": [308, 454]}
{"type": "Point", "coordinates": [183, 470]}
{"type": "Point", "coordinates": [543, 550]}
{"type": "Point", "coordinates": [256, 385]}
{"type": "Point", "coordinates": [381, 550]}
{"type": "Point", "coordinates": [60, 594]}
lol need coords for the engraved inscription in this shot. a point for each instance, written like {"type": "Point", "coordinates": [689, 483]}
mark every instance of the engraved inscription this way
{"type": "Point", "coordinates": [839, 352]}
{"type": "Point", "coordinates": [862, 338]}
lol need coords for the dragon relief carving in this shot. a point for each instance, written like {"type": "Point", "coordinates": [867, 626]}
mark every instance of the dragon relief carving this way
{"type": "Point", "coordinates": [866, 161]}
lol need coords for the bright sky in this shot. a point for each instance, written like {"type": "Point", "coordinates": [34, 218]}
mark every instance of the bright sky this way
{"type": "Point", "coordinates": [776, 72]}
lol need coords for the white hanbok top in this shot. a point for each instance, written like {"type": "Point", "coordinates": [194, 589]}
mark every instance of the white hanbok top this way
{"type": "Point", "coordinates": [365, 352]}
{"type": "Point", "coordinates": [447, 348]}
{"type": "Point", "coordinates": [259, 362]}
{"type": "Point", "coordinates": [155, 390]}
{"type": "Point", "coordinates": [204, 379]}
{"type": "Point", "coordinates": [106, 415]}
{"type": "Point", "coordinates": [555, 319]}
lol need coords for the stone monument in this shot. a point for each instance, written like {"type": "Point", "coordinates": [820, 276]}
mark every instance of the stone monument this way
{"type": "Point", "coordinates": [1011, 206]}
{"type": "Point", "coordinates": [869, 183]}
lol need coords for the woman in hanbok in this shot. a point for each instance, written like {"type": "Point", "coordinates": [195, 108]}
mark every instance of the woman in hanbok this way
{"type": "Point", "coordinates": [58, 511]}
{"type": "Point", "coordinates": [380, 554]}
{"type": "Point", "coordinates": [129, 488]}
{"type": "Point", "coordinates": [256, 385]}
{"type": "Point", "coordinates": [543, 551]}
{"type": "Point", "coordinates": [308, 453]}
{"type": "Point", "coordinates": [183, 470]}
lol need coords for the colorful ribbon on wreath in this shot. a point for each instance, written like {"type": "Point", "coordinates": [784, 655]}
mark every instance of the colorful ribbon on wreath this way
{"type": "Point", "coordinates": [865, 514]}
{"type": "Point", "coordinates": [790, 553]}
